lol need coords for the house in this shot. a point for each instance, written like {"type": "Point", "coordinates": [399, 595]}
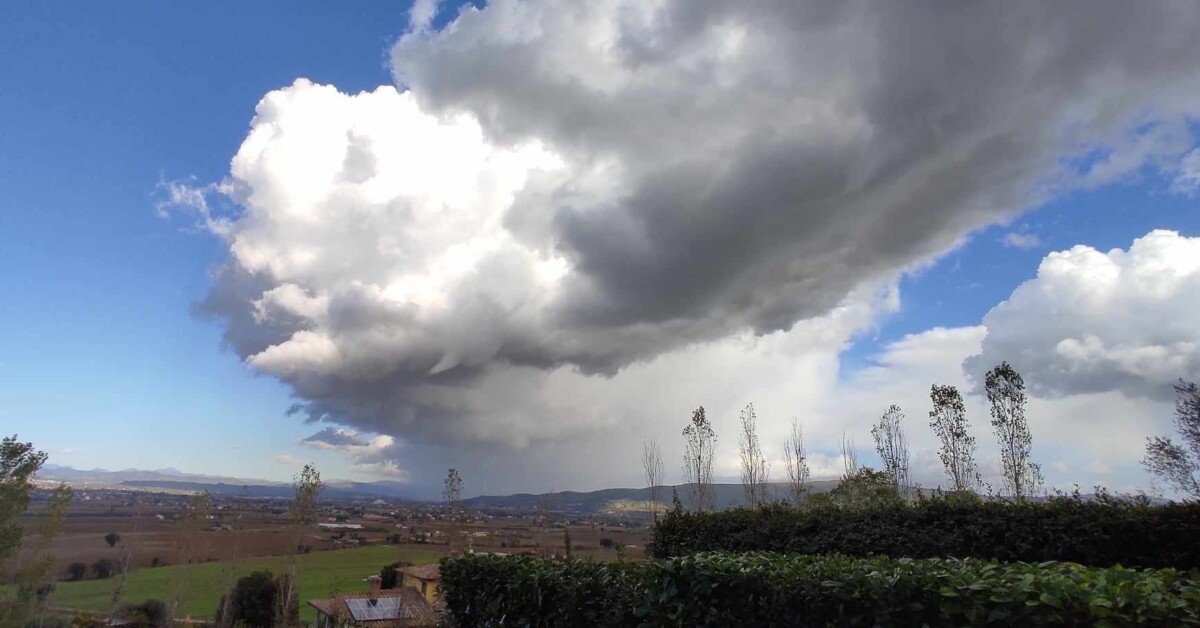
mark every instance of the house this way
{"type": "Point", "coordinates": [424, 578]}
{"type": "Point", "coordinates": [404, 606]}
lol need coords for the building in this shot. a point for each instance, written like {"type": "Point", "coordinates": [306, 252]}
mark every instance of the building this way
{"type": "Point", "coordinates": [403, 606]}
{"type": "Point", "coordinates": [424, 578]}
{"type": "Point", "coordinates": [340, 526]}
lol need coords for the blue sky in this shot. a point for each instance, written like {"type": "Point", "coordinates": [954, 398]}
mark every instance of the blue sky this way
{"type": "Point", "coordinates": [99, 351]}
{"type": "Point", "coordinates": [967, 282]}
{"type": "Point", "coordinates": [103, 362]}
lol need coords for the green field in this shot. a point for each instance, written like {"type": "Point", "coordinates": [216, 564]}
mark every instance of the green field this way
{"type": "Point", "coordinates": [319, 575]}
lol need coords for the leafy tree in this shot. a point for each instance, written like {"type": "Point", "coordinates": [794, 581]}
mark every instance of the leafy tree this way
{"type": "Point", "coordinates": [1179, 464]}
{"type": "Point", "coordinates": [652, 466]}
{"type": "Point", "coordinates": [892, 447]}
{"type": "Point", "coordinates": [1006, 394]}
{"type": "Point", "coordinates": [949, 421]}
{"type": "Point", "coordinates": [31, 578]}
{"type": "Point", "coordinates": [19, 462]}
{"type": "Point", "coordinates": [104, 568]}
{"type": "Point", "coordinates": [607, 543]}
{"type": "Point", "coordinates": [755, 468]}
{"type": "Point", "coordinates": [112, 538]}
{"type": "Point", "coordinates": [258, 600]}
{"type": "Point", "coordinates": [699, 446]}
{"type": "Point", "coordinates": [452, 492]}
{"type": "Point", "coordinates": [76, 571]}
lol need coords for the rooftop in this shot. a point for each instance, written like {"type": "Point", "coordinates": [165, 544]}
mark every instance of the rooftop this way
{"type": "Point", "coordinates": [392, 607]}
{"type": "Point", "coordinates": [424, 572]}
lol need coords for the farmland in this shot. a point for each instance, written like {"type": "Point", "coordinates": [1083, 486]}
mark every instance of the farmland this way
{"type": "Point", "coordinates": [176, 550]}
{"type": "Point", "coordinates": [198, 587]}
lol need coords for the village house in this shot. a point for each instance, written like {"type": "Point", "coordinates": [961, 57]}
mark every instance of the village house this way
{"type": "Point", "coordinates": [424, 578]}
{"type": "Point", "coordinates": [378, 608]}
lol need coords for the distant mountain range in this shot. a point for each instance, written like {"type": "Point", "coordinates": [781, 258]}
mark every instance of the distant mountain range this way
{"type": "Point", "coordinates": [609, 500]}
{"type": "Point", "coordinates": [175, 480]}
{"type": "Point", "coordinates": [617, 499]}
{"type": "Point", "coordinates": [106, 477]}
{"type": "Point", "coordinates": [599, 501]}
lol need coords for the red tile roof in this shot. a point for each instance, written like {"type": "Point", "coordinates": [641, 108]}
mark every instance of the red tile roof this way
{"type": "Point", "coordinates": [424, 572]}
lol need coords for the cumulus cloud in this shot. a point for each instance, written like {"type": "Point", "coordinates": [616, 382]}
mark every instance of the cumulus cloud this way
{"type": "Point", "coordinates": [1092, 321]}
{"type": "Point", "coordinates": [564, 192]}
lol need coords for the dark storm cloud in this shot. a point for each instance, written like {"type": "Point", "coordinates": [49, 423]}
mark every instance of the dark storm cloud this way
{"type": "Point", "coordinates": [723, 168]}
{"type": "Point", "coordinates": [834, 145]}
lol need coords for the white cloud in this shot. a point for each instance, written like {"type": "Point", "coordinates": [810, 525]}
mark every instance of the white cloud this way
{"type": "Point", "coordinates": [287, 460]}
{"type": "Point", "coordinates": [1187, 180]}
{"type": "Point", "coordinates": [384, 468]}
{"type": "Point", "coordinates": [421, 14]}
{"type": "Point", "coordinates": [582, 217]}
{"type": "Point", "coordinates": [1093, 322]}
{"type": "Point", "coordinates": [1021, 240]}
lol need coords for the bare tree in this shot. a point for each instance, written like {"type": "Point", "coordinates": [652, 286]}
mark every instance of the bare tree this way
{"type": "Point", "coordinates": [652, 465]}
{"type": "Point", "coordinates": [949, 421]}
{"type": "Point", "coordinates": [303, 513]}
{"type": "Point", "coordinates": [1006, 393]}
{"type": "Point", "coordinates": [796, 460]}
{"type": "Point", "coordinates": [191, 524]}
{"type": "Point", "coordinates": [452, 491]}
{"type": "Point", "coordinates": [699, 442]}
{"type": "Point", "coordinates": [755, 469]}
{"type": "Point", "coordinates": [892, 447]}
{"type": "Point", "coordinates": [1179, 464]}
{"type": "Point", "coordinates": [849, 457]}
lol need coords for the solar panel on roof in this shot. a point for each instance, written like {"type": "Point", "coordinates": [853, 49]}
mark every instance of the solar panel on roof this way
{"type": "Point", "coordinates": [375, 609]}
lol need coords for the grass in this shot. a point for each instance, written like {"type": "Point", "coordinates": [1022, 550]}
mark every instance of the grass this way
{"type": "Point", "coordinates": [318, 575]}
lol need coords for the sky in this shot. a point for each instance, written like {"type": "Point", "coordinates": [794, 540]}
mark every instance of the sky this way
{"type": "Point", "coordinates": [521, 238]}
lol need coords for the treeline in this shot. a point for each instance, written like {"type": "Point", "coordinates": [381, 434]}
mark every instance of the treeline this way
{"type": "Point", "coordinates": [1176, 464]}
{"type": "Point", "coordinates": [762, 589]}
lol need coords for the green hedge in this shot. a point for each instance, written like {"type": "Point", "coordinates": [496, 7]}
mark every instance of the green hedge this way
{"type": "Point", "coordinates": [761, 589]}
{"type": "Point", "coordinates": [1098, 533]}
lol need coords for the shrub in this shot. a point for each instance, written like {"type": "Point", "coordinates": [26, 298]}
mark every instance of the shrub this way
{"type": "Point", "coordinates": [389, 576]}
{"type": "Point", "coordinates": [1098, 533]}
{"type": "Point", "coordinates": [481, 590]}
{"type": "Point", "coordinates": [104, 568]}
{"type": "Point", "coordinates": [721, 589]}
{"type": "Point", "coordinates": [76, 571]}
{"type": "Point", "coordinates": [148, 614]}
